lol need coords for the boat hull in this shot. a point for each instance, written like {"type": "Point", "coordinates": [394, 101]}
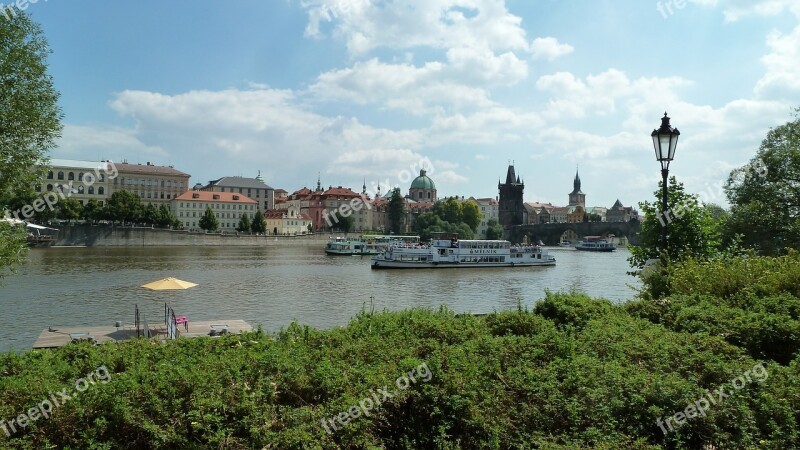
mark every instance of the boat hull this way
{"type": "Point", "coordinates": [595, 249]}
{"type": "Point", "coordinates": [389, 264]}
{"type": "Point", "coordinates": [349, 253]}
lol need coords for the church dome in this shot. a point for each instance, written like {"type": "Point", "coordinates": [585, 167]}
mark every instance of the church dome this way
{"type": "Point", "coordinates": [423, 181]}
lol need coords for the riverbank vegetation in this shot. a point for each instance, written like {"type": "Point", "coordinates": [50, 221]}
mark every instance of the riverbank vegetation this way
{"type": "Point", "coordinates": [572, 372]}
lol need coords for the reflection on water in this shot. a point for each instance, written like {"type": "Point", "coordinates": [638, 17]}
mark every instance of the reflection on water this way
{"type": "Point", "coordinates": [271, 286]}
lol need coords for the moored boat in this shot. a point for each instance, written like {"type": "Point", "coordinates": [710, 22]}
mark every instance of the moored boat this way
{"type": "Point", "coordinates": [447, 251]}
{"type": "Point", "coordinates": [595, 244]}
{"type": "Point", "coordinates": [366, 245]}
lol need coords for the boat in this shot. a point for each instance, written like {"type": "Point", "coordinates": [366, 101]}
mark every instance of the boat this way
{"type": "Point", "coordinates": [367, 244]}
{"type": "Point", "coordinates": [37, 235]}
{"type": "Point", "coordinates": [595, 244]}
{"type": "Point", "coordinates": [565, 243]}
{"type": "Point", "coordinates": [447, 251]}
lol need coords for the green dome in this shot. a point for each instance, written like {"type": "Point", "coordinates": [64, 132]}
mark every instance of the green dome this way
{"type": "Point", "coordinates": [423, 182]}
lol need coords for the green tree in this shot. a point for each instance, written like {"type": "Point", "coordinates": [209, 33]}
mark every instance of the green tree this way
{"type": "Point", "coordinates": [494, 230]}
{"type": "Point", "coordinates": [765, 193]}
{"type": "Point", "coordinates": [124, 206]}
{"type": "Point", "coordinates": [692, 230]}
{"type": "Point", "coordinates": [451, 210]}
{"type": "Point", "coordinates": [150, 214]}
{"type": "Point", "coordinates": [397, 212]}
{"type": "Point", "coordinates": [69, 209]}
{"type": "Point", "coordinates": [428, 223]}
{"type": "Point", "coordinates": [30, 122]}
{"type": "Point", "coordinates": [259, 224]}
{"type": "Point", "coordinates": [244, 224]}
{"type": "Point", "coordinates": [93, 211]}
{"type": "Point", "coordinates": [165, 218]}
{"type": "Point", "coordinates": [341, 222]}
{"type": "Point", "coordinates": [594, 217]}
{"type": "Point", "coordinates": [471, 214]}
{"type": "Point", "coordinates": [209, 220]}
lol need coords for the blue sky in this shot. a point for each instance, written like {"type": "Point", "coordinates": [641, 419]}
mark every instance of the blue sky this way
{"type": "Point", "coordinates": [356, 89]}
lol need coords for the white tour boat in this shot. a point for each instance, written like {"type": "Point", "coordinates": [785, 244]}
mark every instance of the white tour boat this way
{"type": "Point", "coordinates": [366, 245]}
{"type": "Point", "coordinates": [596, 244]}
{"type": "Point", "coordinates": [446, 251]}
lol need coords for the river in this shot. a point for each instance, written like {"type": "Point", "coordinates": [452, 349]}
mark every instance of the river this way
{"type": "Point", "coordinates": [272, 286]}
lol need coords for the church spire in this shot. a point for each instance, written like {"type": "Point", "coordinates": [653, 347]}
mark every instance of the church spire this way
{"type": "Point", "coordinates": [576, 184]}
{"type": "Point", "coordinates": [319, 184]}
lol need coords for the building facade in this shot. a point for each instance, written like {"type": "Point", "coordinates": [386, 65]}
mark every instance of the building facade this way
{"type": "Point", "coordinates": [287, 222]}
{"type": "Point", "coordinates": [490, 209]}
{"type": "Point", "coordinates": [153, 184]}
{"type": "Point", "coordinates": [87, 180]}
{"type": "Point", "coordinates": [254, 188]}
{"type": "Point", "coordinates": [619, 213]}
{"type": "Point", "coordinates": [228, 207]}
{"type": "Point", "coordinates": [576, 197]}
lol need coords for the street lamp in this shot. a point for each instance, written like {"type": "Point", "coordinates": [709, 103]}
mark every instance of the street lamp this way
{"type": "Point", "coordinates": [665, 139]}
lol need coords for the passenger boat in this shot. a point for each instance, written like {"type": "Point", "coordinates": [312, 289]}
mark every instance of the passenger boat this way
{"type": "Point", "coordinates": [447, 251]}
{"type": "Point", "coordinates": [366, 245]}
{"type": "Point", "coordinates": [596, 244]}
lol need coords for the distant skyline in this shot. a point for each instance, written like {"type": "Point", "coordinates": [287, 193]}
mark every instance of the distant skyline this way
{"type": "Point", "coordinates": [358, 89]}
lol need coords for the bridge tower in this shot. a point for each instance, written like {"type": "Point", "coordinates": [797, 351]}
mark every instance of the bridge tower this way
{"type": "Point", "coordinates": [511, 207]}
{"type": "Point", "coordinates": [576, 197]}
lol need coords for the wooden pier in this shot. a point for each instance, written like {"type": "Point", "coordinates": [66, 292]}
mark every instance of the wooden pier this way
{"type": "Point", "coordinates": [61, 336]}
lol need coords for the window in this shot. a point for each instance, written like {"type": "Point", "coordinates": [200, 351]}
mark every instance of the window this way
{"type": "Point", "coordinates": [60, 175]}
{"type": "Point", "coordinates": [50, 175]}
{"type": "Point", "coordinates": [162, 183]}
{"type": "Point", "coordinates": [101, 190]}
{"type": "Point", "coordinates": [216, 197]}
{"type": "Point", "coordinates": [91, 190]}
{"type": "Point", "coordinates": [80, 189]}
{"type": "Point", "coordinates": [80, 177]}
{"type": "Point", "coordinates": [71, 176]}
{"type": "Point", "coordinates": [49, 187]}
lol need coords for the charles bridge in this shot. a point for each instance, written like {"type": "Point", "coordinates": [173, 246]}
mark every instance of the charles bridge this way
{"type": "Point", "coordinates": [550, 233]}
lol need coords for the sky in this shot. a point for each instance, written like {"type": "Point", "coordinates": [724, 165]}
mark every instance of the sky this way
{"type": "Point", "coordinates": [367, 89]}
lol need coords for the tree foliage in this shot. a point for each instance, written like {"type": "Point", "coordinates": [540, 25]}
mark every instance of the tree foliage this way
{"type": "Point", "coordinates": [244, 224]}
{"type": "Point", "coordinates": [341, 222]}
{"type": "Point", "coordinates": [69, 209]}
{"type": "Point", "coordinates": [471, 214]}
{"type": "Point", "coordinates": [397, 212]}
{"type": "Point", "coordinates": [30, 121]}
{"type": "Point", "coordinates": [259, 224]}
{"type": "Point", "coordinates": [765, 193]}
{"type": "Point", "coordinates": [692, 229]}
{"type": "Point", "coordinates": [451, 216]}
{"type": "Point", "coordinates": [124, 206]}
{"type": "Point", "coordinates": [494, 230]}
{"type": "Point", "coordinates": [209, 221]}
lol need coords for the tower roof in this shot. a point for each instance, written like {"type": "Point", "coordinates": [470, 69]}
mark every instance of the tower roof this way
{"type": "Point", "coordinates": [576, 184]}
{"type": "Point", "coordinates": [510, 175]}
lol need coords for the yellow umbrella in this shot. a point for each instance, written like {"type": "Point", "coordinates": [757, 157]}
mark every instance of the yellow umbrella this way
{"type": "Point", "coordinates": [169, 284]}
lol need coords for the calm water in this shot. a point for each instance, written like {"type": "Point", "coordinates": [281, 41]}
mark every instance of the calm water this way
{"type": "Point", "coordinates": [270, 285]}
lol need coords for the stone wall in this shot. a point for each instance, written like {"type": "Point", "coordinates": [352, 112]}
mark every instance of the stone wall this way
{"type": "Point", "coordinates": [118, 236]}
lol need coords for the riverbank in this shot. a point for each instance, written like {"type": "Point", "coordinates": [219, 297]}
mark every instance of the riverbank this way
{"type": "Point", "coordinates": [103, 235]}
{"type": "Point", "coordinates": [573, 372]}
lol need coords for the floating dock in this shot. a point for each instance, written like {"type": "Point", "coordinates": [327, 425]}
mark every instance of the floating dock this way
{"type": "Point", "coordinates": [60, 336]}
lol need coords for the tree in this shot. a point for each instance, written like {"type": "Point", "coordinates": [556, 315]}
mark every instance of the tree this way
{"type": "Point", "coordinates": [397, 212]}
{"type": "Point", "coordinates": [93, 211]}
{"type": "Point", "coordinates": [124, 206]}
{"type": "Point", "coordinates": [244, 224]}
{"type": "Point", "coordinates": [150, 214]}
{"type": "Point", "coordinates": [30, 122]}
{"type": "Point", "coordinates": [341, 222]}
{"type": "Point", "coordinates": [765, 193]}
{"type": "Point", "coordinates": [209, 220]}
{"type": "Point", "coordinates": [259, 224]}
{"type": "Point", "coordinates": [165, 218]}
{"type": "Point", "coordinates": [451, 210]}
{"type": "Point", "coordinates": [69, 209]}
{"type": "Point", "coordinates": [471, 214]}
{"type": "Point", "coordinates": [494, 230]}
{"type": "Point", "coordinates": [692, 230]}
{"type": "Point", "coordinates": [594, 217]}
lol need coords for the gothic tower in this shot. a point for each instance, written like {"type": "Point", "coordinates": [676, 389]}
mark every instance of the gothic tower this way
{"type": "Point", "coordinates": [576, 197]}
{"type": "Point", "coordinates": [511, 208]}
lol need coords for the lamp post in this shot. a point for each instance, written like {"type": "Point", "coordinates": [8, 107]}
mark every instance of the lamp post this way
{"type": "Point", "coordinates": [665, 139]}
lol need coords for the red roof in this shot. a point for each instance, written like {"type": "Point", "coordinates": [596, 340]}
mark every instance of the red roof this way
{"type": "Point", "coordinates": [208, 196]}
{"type": "Point", "coordinates": [340, 192]}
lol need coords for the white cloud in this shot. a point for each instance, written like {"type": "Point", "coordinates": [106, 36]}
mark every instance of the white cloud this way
{"type": "Point", "coordinates": [782, 75]}
{"type": "Point", "coordinates": [549, 48]}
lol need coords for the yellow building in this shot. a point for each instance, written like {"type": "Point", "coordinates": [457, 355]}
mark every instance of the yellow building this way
{"type": "Point", "coordinates": [287, 222]}
{"type": "Point", "coordinates": [228, 207]}
{"type": "Point", "coordinates": [153, 184]}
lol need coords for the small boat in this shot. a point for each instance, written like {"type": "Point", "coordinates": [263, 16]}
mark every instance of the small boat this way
{"type": "Point", "coordinates": [367, 244]}
{"type": "Point", "coordinates": [447, 251]}
{"type": "Point", "coordinates": [596, 244]}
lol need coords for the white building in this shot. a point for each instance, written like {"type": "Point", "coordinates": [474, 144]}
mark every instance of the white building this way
{"type": "Point", "coordinates": [228, 207]}
{"type": "Point", "coordinates": [88, 180]}
{"type": "Point", "coordinates": [490, 209]}
{"type": "Point", "coordinates": [287, 222]}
